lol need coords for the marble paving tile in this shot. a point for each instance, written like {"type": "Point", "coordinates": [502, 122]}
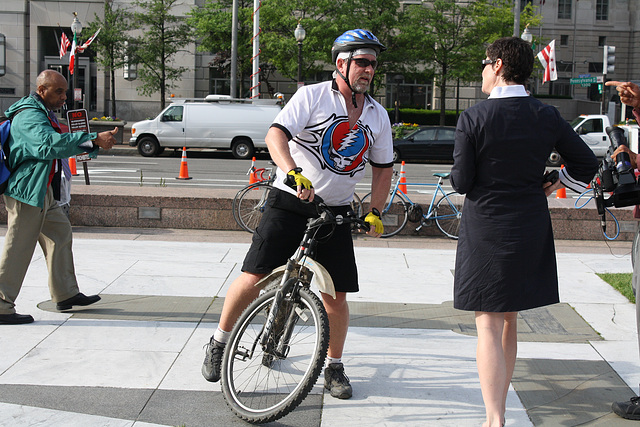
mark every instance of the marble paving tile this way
{"type": "Point", "coordinates": [614, 322]}
{"type": "Point", "coordinates": [623, 358]}
{"type": "Point", "coordinates": [118, 335]}
{"type": "Point", "coordinates": [166, 286]}
{"type": "Point", "coordinates": [185, 372]}
{"type": "Point", "coordinates": [19, 415]}
{"type": "Point", "coordinates": [96, 368]}
{"type": "Point", "coordinates": [412, 378]}
{"type": "Point", "coordinates": [579, 286]}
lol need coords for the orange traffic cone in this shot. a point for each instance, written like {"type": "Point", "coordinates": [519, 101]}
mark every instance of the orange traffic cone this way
{"type": "Point", "coordinates": [72, 166]}
{"type": "Point", "coordinates": [561, 193]}
{"type": "Point", "coordinates": [253, 177]}
{"type": "Point", "coordinates": [184, 169]}
{"type": "Point", "coordinates": [403, 179]}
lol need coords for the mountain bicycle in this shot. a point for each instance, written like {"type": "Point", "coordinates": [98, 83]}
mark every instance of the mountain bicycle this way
{"type": "Point", "coordinates": [250, 201]}
{"type": "Point", "coordinates": [399, 209]}
{"type": "Point", "coordinates": [278, 345]}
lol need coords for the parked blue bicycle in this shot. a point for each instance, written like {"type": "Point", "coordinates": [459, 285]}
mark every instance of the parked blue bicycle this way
{"type": "Point", "coordinates": [445, 209]}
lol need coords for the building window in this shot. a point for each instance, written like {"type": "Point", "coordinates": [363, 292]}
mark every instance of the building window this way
{"type": "Point", "coordinates": [602, 10]}
{"type": "Point", "coordinates": [561, 87]}
{"type": "Point", "coordinates": [595, 67]}
{"type": "Point", "coordinates": [564, 9]}
{"type": "Point", "coordinates": [565, 66]}
{"type": "Point", "coordinates": [564, 40]}
{"type": "Point", "coordinates": [602, 40]}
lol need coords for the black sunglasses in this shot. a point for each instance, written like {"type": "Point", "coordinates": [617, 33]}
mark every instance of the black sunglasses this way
{"type": "Point", "coordinates": [364, 63]}
{"type": "Point", "coordinates": [486, 62]}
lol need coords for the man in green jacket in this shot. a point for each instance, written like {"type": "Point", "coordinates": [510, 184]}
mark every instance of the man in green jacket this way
{"type": "Point", "coordinates": [36, 143]}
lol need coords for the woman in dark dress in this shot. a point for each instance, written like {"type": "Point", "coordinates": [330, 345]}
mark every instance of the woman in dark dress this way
{"type": "Point", "coordinates": [505, 260]}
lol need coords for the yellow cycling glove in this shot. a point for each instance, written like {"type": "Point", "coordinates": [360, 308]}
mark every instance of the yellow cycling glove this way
{"type": "Point", "coordinates": [373, 218]}
{"type": "Point", "coordinates": [295, 179]}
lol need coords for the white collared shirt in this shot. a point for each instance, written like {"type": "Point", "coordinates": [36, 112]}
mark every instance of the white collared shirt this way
{"type": "Point", "coordinates": [508, 91]}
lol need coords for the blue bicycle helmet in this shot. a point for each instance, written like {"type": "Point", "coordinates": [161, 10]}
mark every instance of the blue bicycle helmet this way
{"type": "Point", "coordinates": [355, 39]}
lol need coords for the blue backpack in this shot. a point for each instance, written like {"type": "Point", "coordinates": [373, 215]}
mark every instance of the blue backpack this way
{"type": "Point", "coordinates": [5, 169]}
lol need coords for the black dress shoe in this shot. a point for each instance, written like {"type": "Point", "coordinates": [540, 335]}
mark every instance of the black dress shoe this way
{"type": "Point", "coordinates": [15, 319]}
{"type": "Point", "coordinates": [78, 299]}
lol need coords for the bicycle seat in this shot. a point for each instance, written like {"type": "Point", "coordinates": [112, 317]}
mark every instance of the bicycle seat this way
{"type": "Point", "coordinates": [444, 175]}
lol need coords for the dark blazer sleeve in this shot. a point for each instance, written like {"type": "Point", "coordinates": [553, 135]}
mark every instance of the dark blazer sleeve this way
{"type": "Point", "coordinates": [463, 172]}
{"type": "Point", "coordinates": [580, 162]}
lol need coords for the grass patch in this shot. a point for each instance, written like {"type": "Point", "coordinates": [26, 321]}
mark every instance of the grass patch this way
{"type": "Point", "coordinates": [620, 282]}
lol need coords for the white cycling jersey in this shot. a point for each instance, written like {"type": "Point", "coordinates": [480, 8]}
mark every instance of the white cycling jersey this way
{"type": "Point", "coordinates": [331, 154]}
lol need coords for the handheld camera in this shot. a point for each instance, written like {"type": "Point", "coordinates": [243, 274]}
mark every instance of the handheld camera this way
{"type": "Point", "coordinates": [616, 176]}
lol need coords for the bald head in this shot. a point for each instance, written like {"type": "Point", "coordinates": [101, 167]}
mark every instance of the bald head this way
{"type": "Point", "coordinates": [52, 88]}
{"type": "Point", "coordinates": [49, 77]}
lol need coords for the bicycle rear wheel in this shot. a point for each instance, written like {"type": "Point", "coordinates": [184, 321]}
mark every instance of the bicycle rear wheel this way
{"type": "Point", "coordinates": [448, 213]}
{"type": "Point", "coordinates": [394, 215]}
{"type": "Point", "coordinates": [262, 386]}
{"type": "Point", "coordinates": [249, 204]}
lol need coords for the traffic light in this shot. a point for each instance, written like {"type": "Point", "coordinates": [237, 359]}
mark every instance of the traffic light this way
{"type": "Point", "coordinates": [608, 61]}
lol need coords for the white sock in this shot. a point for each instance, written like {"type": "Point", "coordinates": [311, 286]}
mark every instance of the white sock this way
{"type": "Point", "coordinates": [221, 336]}
{"type": "Point", "coordinates": [331, 360]}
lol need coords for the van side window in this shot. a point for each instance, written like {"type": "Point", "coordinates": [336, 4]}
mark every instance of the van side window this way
{"type": "Point", "coordinates": [173, 114]}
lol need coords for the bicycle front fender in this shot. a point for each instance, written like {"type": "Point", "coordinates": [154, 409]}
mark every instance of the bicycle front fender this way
{"type": "Point", "coordinates": [321, 277]}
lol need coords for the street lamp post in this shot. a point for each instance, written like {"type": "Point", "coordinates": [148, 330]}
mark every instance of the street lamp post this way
{"type": "Point", "coordinates": [398, 79]}
{"type": "Point", "coordinates": [76, 29]}
{"type": "Point", "coordinates": [300, 34]}
{"type": "Point", "coordinates": [526, 35]}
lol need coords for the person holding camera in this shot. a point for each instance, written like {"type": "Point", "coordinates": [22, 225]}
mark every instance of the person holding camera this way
{"type": "Point", "coordinates": [630, 95]}
{"type": "Point", "coordinates": [505, 260]}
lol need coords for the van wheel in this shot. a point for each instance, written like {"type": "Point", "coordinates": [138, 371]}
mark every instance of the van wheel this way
{"type": "Point", "coordinates": [554, 159]}
{"type": "Point", "coordinates": [242, 149]}
{"type": "Point", "coordinates": [148, 147]}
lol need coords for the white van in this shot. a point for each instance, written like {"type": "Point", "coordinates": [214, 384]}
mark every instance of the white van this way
{"type": "Point", "coordinates": [217, 121]}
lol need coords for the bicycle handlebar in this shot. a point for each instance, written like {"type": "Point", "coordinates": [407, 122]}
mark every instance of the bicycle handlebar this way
{"type": "Point", "coordinates": [326, 215]}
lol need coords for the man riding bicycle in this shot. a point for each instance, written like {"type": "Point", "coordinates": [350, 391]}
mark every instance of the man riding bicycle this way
{"type": "Point", "coordinates": [321, 142]}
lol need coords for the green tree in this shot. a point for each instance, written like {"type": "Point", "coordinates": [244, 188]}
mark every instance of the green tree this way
{"type": "Point", "coordinates": [454, 36]}
{"type": "Point", "coordinates": [212, 26]}
{"type": "Point", "coordinates": [163, 35]}
{"type": "Point", "coordinates": [110, 43]}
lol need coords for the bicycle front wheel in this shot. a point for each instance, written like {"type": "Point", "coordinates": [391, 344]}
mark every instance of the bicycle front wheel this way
{"type": "Point", "coordinates": [249, 205]}
{"type": "Point", "coordinates": [264, 384]}
{"type": "Point", "coordinates": [394, 215]}
{"type": "Point", "coordinates": [448, 213]}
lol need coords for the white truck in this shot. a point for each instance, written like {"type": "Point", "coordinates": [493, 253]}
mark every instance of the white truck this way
{"type": "Point", "coordinates": [217, 121]}
{"type": "Point", "coordinates": [592, 128]}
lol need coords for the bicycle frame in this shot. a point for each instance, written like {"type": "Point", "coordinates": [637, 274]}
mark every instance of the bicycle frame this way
{"type": "Point", "coordinates": [302, 268]}
{"type": "Point", "coordinates": [430, 212]}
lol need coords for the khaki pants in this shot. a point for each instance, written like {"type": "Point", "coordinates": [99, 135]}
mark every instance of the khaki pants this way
{"type": "Point", "coordinates": [28, 225]}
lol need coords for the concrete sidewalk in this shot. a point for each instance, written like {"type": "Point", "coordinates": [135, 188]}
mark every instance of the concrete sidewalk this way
{"type": "Point", "coordinates": [134, 358]}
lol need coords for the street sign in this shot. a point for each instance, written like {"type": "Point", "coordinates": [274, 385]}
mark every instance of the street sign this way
{"type": "Point", "coordinates": [78, 121]}
{"type": "Point", "coordinates": [584, 80]}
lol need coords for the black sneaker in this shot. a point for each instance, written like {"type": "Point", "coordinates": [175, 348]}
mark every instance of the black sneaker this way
{"type": "Point", "coordinates": [629, 410]}
{"type": "Point", "coordinates": [336, 381]}
{"type": "Point", "coordinates": [212, 361]}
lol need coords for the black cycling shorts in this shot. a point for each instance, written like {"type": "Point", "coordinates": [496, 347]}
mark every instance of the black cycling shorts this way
{"type": "Point", "coordinates": [279, 233]}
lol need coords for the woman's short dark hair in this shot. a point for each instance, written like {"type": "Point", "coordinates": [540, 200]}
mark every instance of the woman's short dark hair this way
{"type": "Point", "coordinates": [517, 58]}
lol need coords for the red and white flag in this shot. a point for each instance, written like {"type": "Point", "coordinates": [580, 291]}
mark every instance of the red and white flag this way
{"type": "Point", "coordinates": [64, 45]}
{"type": "Point", "coordinates": [88, 42]}
{"type": "Point", "coordinates": [547, 57]}
{"type": "Point", "coordinates": [72, 55]}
